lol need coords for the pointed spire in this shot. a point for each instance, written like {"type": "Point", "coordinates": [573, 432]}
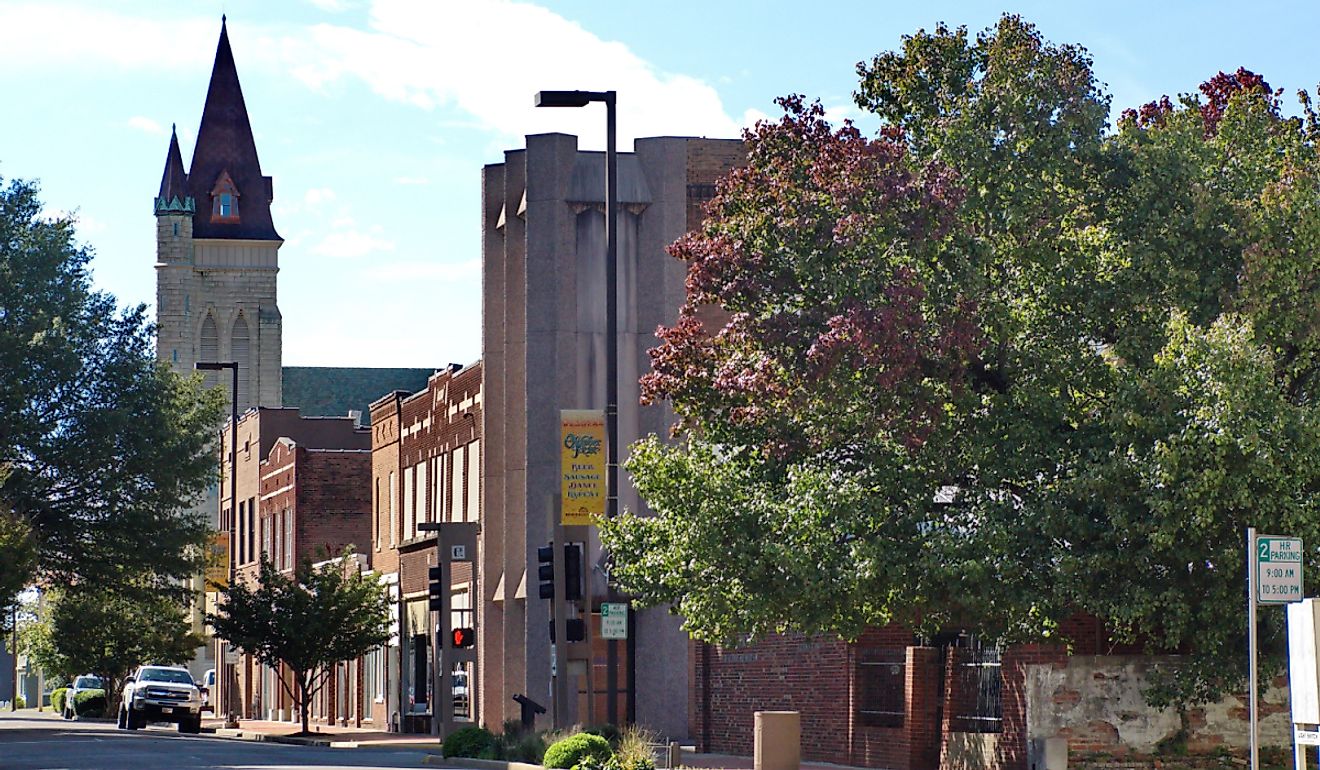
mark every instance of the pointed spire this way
{"type": "Point", "coordinates": [173, 197]}
{"type": "Point", "coordinates": [225, 144]}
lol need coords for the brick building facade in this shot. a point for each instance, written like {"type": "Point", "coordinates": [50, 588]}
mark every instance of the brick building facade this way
{"type": "Point", "coordinates": [302, 492]}
{"type": "Point", "coordinates": [425, 468]}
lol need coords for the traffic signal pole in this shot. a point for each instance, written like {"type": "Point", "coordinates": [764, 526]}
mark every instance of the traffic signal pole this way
{"type": "Point", "coordinates": [455, 541]}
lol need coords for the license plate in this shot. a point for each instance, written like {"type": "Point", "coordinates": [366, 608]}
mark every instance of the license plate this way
{"type": "Point", "coordinates": [167, 710]}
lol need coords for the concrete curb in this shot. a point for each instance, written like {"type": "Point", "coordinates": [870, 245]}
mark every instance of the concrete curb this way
{"type": "Point", "coordinates": [477, 764]}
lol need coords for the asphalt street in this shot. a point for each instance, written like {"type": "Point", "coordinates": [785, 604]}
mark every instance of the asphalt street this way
{"type": "Point", "coordinates": [45, 743]}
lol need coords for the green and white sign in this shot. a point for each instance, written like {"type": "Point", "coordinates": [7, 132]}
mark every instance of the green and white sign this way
{"type": "Point", "coordinates": [613, 620]}
{"type": "Point", "coordinates": [1278, 565]}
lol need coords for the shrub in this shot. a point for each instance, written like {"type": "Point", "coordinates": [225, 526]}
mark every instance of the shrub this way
{"type": "Point", "coordinates": [58, 696]}
{"type": "Point", "coordinates": [468, 742]}
{"type": "Point", "coordinates": [569, 752]}
{"type": "Point", "coordinates": [633, 751]}
{"type": "Point", "coordinates": [89, 703]}
{"type": "Point", "coordinates": [524, 747]}
{"type": "Point", "coordinates": [607, 731]}
{"type": "Point", "coordinates": [20, 702]}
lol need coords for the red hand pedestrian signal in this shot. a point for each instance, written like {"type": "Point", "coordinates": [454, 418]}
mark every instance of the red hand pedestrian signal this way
{"type": "Point", "coordinates": [464, 637]}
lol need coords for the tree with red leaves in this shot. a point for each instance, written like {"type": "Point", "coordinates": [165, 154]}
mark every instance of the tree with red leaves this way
{"type": "Point", "coordinates": [994, 366]}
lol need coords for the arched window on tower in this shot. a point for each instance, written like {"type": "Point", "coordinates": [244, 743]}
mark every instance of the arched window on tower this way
{"type": "Point", "coordinates": [240, 344]}
{"type": "Point", "coordinates": [209, 350]}
{"type": "Point", "coordinates": [224, 200]}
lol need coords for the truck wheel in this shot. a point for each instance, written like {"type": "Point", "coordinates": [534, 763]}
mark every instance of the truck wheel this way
{"type": "Point", "coordinates": [121, 720]}
{"type": "Point", "coordinates": [192, 725]}
{"type": "Point", "coordinates": [134, 722]}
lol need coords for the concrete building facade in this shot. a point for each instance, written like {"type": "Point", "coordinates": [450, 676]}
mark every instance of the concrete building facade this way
{"type": "Point", "coordinates": [543, 341]}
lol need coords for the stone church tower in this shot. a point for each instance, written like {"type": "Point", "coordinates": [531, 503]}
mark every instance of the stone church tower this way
{"type": "Point", "coordinates": [217, 252]}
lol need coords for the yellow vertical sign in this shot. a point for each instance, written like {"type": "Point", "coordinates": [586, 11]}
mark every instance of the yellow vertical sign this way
{"type": "Point", "coordinates": [217, 561]}
{"type": "Point", "coordinates": [582, 462]}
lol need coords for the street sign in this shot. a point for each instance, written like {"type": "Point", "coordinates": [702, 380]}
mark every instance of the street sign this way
{"type": "Point", "coordinates": [613, 620]}
{"type": "Point", "coordinates": [231, 654]}
{"type": "Point", "coordinates": [458, 553]}
{"type": "Point", "coordinates": [1278, 567]}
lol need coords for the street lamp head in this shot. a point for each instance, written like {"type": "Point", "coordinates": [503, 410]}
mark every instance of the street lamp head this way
{"type": "Point", "coordinates": [215, 366]}
{"type": "Point", "coordinates": [572, 98]}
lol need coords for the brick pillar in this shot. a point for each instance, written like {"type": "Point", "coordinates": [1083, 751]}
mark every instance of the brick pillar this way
{"type": "Point", "coordinates": [921, 722]}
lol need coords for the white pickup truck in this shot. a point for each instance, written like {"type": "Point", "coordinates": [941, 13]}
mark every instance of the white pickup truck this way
{"type": "Point", "coordinates": [161, 694]}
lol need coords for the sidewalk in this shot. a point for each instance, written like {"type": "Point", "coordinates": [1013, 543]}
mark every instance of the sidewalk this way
{"type": "Point", "coordinates": [322, 735]}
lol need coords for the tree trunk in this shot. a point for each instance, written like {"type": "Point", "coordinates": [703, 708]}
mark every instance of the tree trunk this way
{"type": "Point", "coordinates": [304, 705]}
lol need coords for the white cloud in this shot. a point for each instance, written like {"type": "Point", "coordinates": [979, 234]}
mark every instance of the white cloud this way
{"type": "Point", "coordinates": [352, 244]}
{"type": "Point", "coordinates": [411, 54]}
{"type": "Point", "coordinates": [416, 52]}
{"type": "Point", "coordinates": [55, 34]}
{"type": "Point", "coordinates": [316, 196]}
{"type": "Point", "coordinates": [146, 125]}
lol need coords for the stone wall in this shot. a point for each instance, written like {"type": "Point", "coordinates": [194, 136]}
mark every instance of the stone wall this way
{"type": "Point", "coordinates": [1096, 704]}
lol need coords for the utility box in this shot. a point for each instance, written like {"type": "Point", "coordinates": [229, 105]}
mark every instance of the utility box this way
{"type": "Point", "coordinates": [778, 744]}
{"type": "Point", "coordinates": [1303, 673]}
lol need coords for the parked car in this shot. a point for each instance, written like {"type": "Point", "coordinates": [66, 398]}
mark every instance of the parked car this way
{"type": "Point", "coordinates": [80, 684]}
{"type": "Point", "coordinates": [161, 694]}
{"type": "Point", "coordinates": [207, 687]}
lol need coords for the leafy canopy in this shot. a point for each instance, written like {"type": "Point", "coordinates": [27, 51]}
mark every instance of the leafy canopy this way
{"type": "Point", "coordinates": [307, 620]}
{"type": "Point", "coordinates": [102, 448]}
{"type": "Point", "coordinates": [993, 367]}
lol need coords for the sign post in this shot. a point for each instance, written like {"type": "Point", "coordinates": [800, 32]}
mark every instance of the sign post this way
{"type": "Point", "coordinates": [1274, 576]}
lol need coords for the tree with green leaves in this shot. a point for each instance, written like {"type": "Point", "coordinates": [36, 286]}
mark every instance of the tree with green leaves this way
{"type": "Point", "coordinates": [102, 448]}
{"type": "Point", "coordinates": [994, 366]}
{"type": "Point", "coordinates": [307, 621]}
{"type": "Point", "coordinates": [107, 633]}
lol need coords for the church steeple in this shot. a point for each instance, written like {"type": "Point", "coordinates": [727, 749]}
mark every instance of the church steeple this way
{"type": "Point", "coordinates": [173, 197]}
{"type": "Point", "coordinates": [232, 197]}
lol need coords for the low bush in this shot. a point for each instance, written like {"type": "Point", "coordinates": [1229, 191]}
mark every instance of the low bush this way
{"type": "Point", "coordinates": [607, 731]}
{"type": "Point", "coordinates": [58, 696]}
{"type": "Point", "coordinates": [468, 742]}
{"type": "Point", "coordinates": [20, 702]}
{"type": "Point", "coordinates": [89, 703]}
{"type": "Point", "coordinates": [633, 751]}
{"type": "Point", "coordinates": [575, 749]}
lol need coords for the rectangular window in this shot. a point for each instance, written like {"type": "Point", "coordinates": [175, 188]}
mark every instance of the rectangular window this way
{"type": "Point", "coordinates": [409, 507]}
{"type": "Point", "coordinates": [394, 514]}
{"type": "Point", "coordinates": [265, 537]}
{"type": "Point", "coordinates": [288, 539]}
{"type": "Point", "coordinates": [375, 513]}
{"type": "Point", "coordinates": [242, 524]}
{"type": "Point", "coordinates": [881, 684]}
{"type": "Point", "coordinates": [226, 204]}
{"type": "Point", "coordinates": [474, 481]}
{"type": "Point", "coordinates": [421, 491]}
{"type": "Point", "coordinates": [978, 687]}
{"type": "Point", "coordinates": [252, 529]}
{"type": "Point", "coordinates": [456, 508]}
{"type": "Point", "coordinates": [438, 485]}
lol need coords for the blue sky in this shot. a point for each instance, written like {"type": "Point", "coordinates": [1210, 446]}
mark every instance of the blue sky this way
{"type": "Point", "coordinates": [375, 117]}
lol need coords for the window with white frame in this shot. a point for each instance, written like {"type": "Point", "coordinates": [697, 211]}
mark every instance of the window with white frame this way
{"type": "Point", "coordinates": [288, 538]}
{"type": "Point", "coordinates": [421, 491]}
{"type": "Point", "coordinates": [474, 481]}
{"type": "Point", "coordinates": [438, 489]}
{"type": "Point", "coordinates": [394, 513]}
{"type": "Point", "coordinates": [456, 508]}
{"type": "Point", "coordinates": [409, 510]}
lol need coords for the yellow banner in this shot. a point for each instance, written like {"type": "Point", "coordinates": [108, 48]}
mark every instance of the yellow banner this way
{"type": "Point", "coordinates": [582, 461]}
{"type": "Point", "coordinates": [217, 561]}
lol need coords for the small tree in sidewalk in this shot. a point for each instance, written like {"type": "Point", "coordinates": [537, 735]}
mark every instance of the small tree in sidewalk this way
{"type": "Point", "coordinates": [310, 620]}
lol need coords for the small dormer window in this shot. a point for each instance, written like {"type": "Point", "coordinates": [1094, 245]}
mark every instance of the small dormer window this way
{"type": "Point", "coordinates": [224, 200]}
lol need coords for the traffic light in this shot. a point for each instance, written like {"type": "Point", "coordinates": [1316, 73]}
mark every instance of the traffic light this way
{"type": "Point", "coordinates": [546, 572]}
{"type": "Point", "coordinates": [464, 637]}
{"type": "Point", "coordinates": [437, 588]}
{"type": "Point", "coordinates": [575, 630]}
{"type": "Point", "coordinates": [572, 573]}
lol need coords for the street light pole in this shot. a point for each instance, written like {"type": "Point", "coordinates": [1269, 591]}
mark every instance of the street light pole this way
{"type": "Point", "coordinates": [231, 716]}
{"type": "Point", "coordinates": [582, 99]}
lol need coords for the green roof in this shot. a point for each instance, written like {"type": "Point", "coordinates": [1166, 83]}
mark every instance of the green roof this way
{"type": "Point", "coordinates": [332, 391]}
